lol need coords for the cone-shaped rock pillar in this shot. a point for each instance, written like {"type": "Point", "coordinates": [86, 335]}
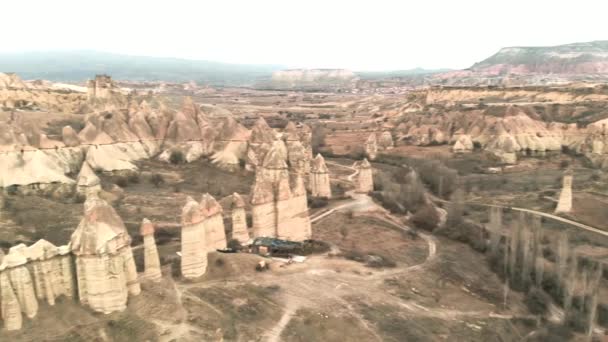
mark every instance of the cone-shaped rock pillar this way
{"type": "Point", "coordinates": [151, 259]}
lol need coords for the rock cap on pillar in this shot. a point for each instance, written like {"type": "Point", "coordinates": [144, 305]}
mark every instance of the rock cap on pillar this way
{"type": "Point", "coordinates": [147, 228]}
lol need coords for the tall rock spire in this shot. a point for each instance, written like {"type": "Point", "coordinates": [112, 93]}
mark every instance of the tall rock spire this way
{"type": "Point", "coordinates": [239, 219]}
{"type": "Point", "coordinates": [319, 178]}
{"type": "Point", "coordinates": [365, 179]}
{"type": "Point", "coordinates": [151, 259]}
{"type": "Point", "coordinates": [194, 247]}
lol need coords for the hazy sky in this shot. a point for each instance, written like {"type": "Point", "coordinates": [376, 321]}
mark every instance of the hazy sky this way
{"type": "Point", "coordinates": [360, 35]}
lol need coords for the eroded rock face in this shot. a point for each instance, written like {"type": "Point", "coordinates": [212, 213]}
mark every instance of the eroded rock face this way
{"type": "Point", "coordinates": [564, 205]}
{"type": "Point", "coordinates": [263, 210]}
{"type": "Point", "coordinates": [16, 94]}
{"type": "Point", "coordinates": [151, 259]}
{"type": "Point", "coordinates": [213, 222]}
{"type": "Point", "coordinates": [319, 178]}
{"type": "Point", "coordinates": [10, 307]}
{"type": "Point", "coordinates": [463, 144]}
{"type": "Point", "coordinates": [371, 146]}
{"type": "Point", "coordinates": [386, 140]}
{"type": "Point", "coordinates": [104, 261]}
{"type": "Point", "coordinates": [365, 180]}
{"type": "Point", "coordinates": [239, 219]}
{"type": "Point", "coordinates": [194, 246]}
{"type": "Point", "coordinates": [278, 208]}
{"type": "Point", "coordinates": [294, 222]}
{"type": "Point", "coordinates": [51, 276]}
{"type": "Point", "coordinates": [14, 265]}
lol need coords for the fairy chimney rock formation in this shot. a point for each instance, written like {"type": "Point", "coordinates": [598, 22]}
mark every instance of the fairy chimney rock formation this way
{"type": "Point", "coordinates": [87, 181]}
{"type": "Point", "coordinates": [52, 271]}
{"type": "Point", "coordinates": [371, 146]}
{"type": "Point", "coordinates": [105, 267]}
{"type": "Point", "coordinates": [296, 224]}
{"type": "Point", "coordinates": [463, 144]}
{"type": "Point", "coordinates": [564, 205]}
{"type": "Point", "coordinates": [211, 211]}
{"type": "Point", "coordinates": [263, 211]}
{"type": "Point", "coordinates": [194, 247]}
{"type": "Point", "coordinates": [365, 180]}
{"type": "Point", "coordinates": [239, 219]}
{"type": "Point", "coordinates": [386, 140]}
{"type": "Point", "coordinates": [10, 307]}
{"type": "Point", "coordinates": [20, 281]}
{"type": "Point", "coordinates": [319, 178]}
{"type": "Point", "coordinates": [151, 259]}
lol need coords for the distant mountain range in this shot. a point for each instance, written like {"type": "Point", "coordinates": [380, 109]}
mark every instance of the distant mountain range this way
{"type": "Point", "coordinates": [511, 65]}
{"type": "Point", "coordinates": [78, 66]}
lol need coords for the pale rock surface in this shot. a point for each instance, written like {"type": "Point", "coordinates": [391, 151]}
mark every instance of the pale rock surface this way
{"type": "Point", "coordinates": [69, 136]}
{"type": "Point", "coordinates": [213, 223]}
{"type": "Point", "coordinates": [104, 261]}
{"type": "Point", "coordinates": [319, 178]}
{"type": "Point", "coordinates": [296, 225]}
{"type": "Point", "coordinates": [48, 272]}
{"type": "Point", "coordinates": [371, 146]}
{"type": "Point", "coordinates": [365, 180]}
{"type": "Point", "coordinates": [564, 204]}
{"type": "Point", "coordinates": [151, 259]}
{"type": "Point", "coordinates": [14, 264]}
{"type": "Point", "coordinates": [9, 305]}
{"type": "Point", "coordinates": [386, 140]}
{"type": "Point", "coordinates": [87, 180]}
{"type": "Point", "coordinates": [463, 144]}
{"type": "Point", "coordinates": [193, 236]}
{"type": "Point", "coordinates": [239, 219]}
{"type": "Point", "coordinates": [263, 210]}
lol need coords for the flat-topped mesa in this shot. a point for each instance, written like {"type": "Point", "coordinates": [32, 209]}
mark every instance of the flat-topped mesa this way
{"type": "Point", "coordinates": [211, 211]}
{"type": "Point", "coordinates": [386, 140]}
{"type": "Point", "coordinates": [319, 178]}
{"type": "Point", "coordinates": [194, 247]}
{"type": "Point", "coordinates": [20, 281]}
{"type": "Point", "coordinates": [371, 146]}
{"type": "Point", "coordinates": [52, 271]}
{"type": "Point", "coordinates": [105, 267]}
{"type": "Point", "coordinates": [239, 219]}
{"type": "Point", "coordinates": [365, 179]}
{"type": "Point", "coordinates": [564, 205]}
{"type": "Point", "coordinates": [151, 259]}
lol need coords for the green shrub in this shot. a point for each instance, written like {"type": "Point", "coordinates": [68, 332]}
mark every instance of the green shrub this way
{"type": "Point", "coordinates": [177, 157]}
{"type": "Point", "coordinates": [426, 217]}
{"type": "Point", "coordinates": [318, 202]}
{"type": "Point", "coordinates": [537, 301]}
{"type": "Point", "coordinates": [157, 179]}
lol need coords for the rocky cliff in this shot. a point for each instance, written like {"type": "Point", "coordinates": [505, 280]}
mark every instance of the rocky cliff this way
{"type": "Point", "coordinates": [536, 65]}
